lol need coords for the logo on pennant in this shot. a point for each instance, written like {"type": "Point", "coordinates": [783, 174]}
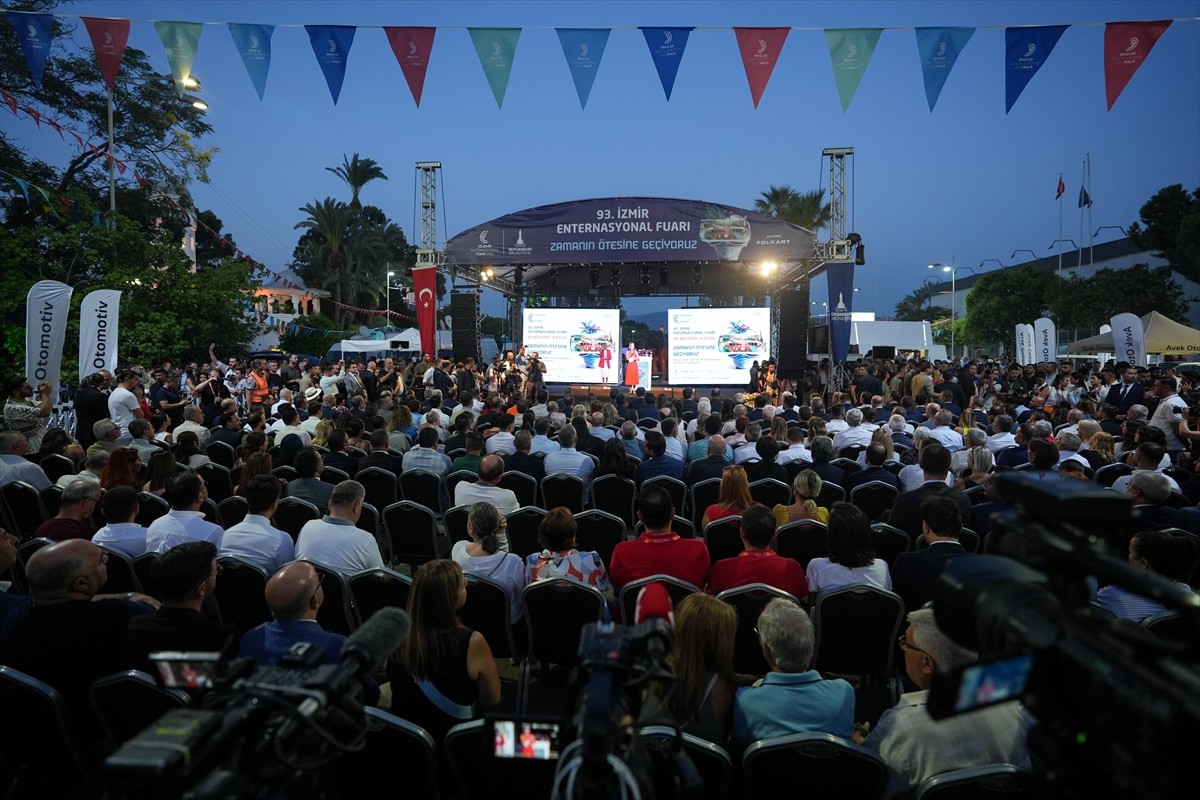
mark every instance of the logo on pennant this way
{"type": "Point", "coordinates": [1126, 47]}
{"type": "Point", "coordinates": [850, 50]}
{"type": "Point", "coordinates": [253, 43]}
{"type": "Point", "coordinates": [412, 48]}
{"type": "Point", "coordinates": [35, 44]}
{"type": "Point", "coordinates": [666, 47]}
{"type": "Point", "coordinates": [496, 48]}
{"type": "Point", "coordinates": [1025, 51]}
{"type": "Point", "coordinates": [331, 45]}
{"type": "Point", "coordinates": [939, 49]}
{"type": "Point", "coordinates": [583, 48]}
{"type": "Point", "coordinates": [109, 37]}
{"type": "Point", "coordinates": [760, 49]}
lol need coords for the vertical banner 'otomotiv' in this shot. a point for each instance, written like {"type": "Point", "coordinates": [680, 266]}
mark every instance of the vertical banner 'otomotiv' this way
{"type": "Point", "coordinates": [666, 48]}
{"type": "Point", "coordinates": [33, 32]}
{"type": "Point", "coordinates": [412, 48]}
{"type": "Point", "coordinates": [1025, 50]}
{"type": "Point", "coordinates": [99, 326]}
{"type": "Point", "coordinates": [839, 276]}
{"type": "Point", "coordinates": [46, 308]}
{"type": "Point", "coordinates": [331, 45]}
{"type": "Point", "coordinates": [254, 44]}
{"type": "Point", "coordinates": [1129, 339]}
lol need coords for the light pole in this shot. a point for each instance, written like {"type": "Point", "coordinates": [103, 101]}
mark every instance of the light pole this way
{"type": "Point", "coordinates": [388, 291]}
{"type": "Point", "coordinates": [953, 270]}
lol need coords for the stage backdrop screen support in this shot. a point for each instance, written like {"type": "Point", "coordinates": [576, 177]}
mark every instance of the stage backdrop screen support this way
{"type": "Point", "coordinates": [716, 346]}
{"type": "Point", "coordinates": [569, 341]}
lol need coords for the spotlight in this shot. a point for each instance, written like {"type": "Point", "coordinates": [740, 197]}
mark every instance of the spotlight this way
{"type": "Point", "coordinates": [768, 267]}
{"type": "Point", "coordinates": [697, 275]}
{"type": "Point", "coordinates": [595, 276]}
{"type": "Point", "coordinates": [518, 277]}
{"type": "Point", "coordinates": [860, 254]}
{"type": "Point", "coordinates": [553, 282]}
{"type": "Point", "coordinates": [644, 276]}
{"type": "Point", "coordinates": [663, 275]}
{"type": "Point", "coordinates": [614, 276]}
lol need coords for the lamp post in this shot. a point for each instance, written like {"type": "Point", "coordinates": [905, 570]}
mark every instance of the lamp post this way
{"type": "Point", "coordinates": [953, 270]}
{"type": "Point", "coordinates": [388, 291]}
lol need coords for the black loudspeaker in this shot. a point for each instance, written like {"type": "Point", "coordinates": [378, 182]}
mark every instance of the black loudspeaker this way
{"type": "Point", "coordinates": [792, 358]}
{"type": "Point", "coordinates": [464, 324]}
{"type": "Point", "coordinates": [883, 351]}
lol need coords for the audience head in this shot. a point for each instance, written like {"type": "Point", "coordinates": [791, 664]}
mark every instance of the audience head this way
{"type": "Point", "coordinates": [940, 517]}
{"type": "Point", "coordinates": [786, 634]}
{"type": "Point", "coordinates": [655, 508]}
{"type": "Point", "coordinates": [309, 462]}
{"type": "Point", "coordinates": [294, 592]}
{"type": "Point", "coordinates": [186, 491]}
{"type": "Point", "coordinates": [935, 460]}
{"type": "Point", "coordinates": [484, 524]}
{"type": "Point", "coordinates": [758, 526]}
{"type": "Point", "coordinates": [850, 536]}
{"type": "Point", "coordinates": [261, 493]}
{"type": "Point", "coordinates": [120, 504]}
{"type": "Point", "coordinates": [927, 649]}
{"type": "Point", "coordinates": [557, 530]}
{"type": "Point", "coordinates": [187, 573]}
{"type": "Point", "coordinates": [72, 570]}
{"type": "Point", "coordinates": [346, 502]}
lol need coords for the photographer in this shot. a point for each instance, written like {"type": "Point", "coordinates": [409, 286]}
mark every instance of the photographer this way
{"type": "Point", "coordinates": [537, 375]}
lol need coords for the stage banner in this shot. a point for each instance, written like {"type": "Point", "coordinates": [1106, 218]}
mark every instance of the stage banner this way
{"type": "Point", "coordinates": [583, 49]}
{"type": "Point", "coordinates": [939, 49]}
{"type": "Point", "coordinates": [1030, 347]}
{"type": "Point", "coordinates": [1022, 345]}
{"type": "Point", "coordinates": [1025, 51]}
{"type": "Point", "coordinates": [1129, 339]}
{"type": "Point", "coordinates": [850, 50]}
{"type": "Point", "coordinates": [496, 48]}
{"type": "Point", "coordinates": [331, 45]}
{"type": "Point", "coordinates": [840, 278]}
{"type": "Point", "coordinates": [760, 49]}
{"type": "Point", "coordinates": [109, 37]}
{"type": "Point", "coordinates": [716, 346]}
{"type": "Point", "coordinates": [1045, 338]}
{"type": "Point", "coordinates": [180, 39]}
{"type": "Point", "coordinates": [622, 230]}
{"type": "Point", "coordinates": [666, 50]}
{"type": "Point", "coordinates": [99, 328]}
{"type": "Point", "coordinates": [572, 343]}
{"type": "Point", "coordinates": [425, 290]}
{"type": "Point", "coordinates": [1126, 46]}
{"type": "Point", "coordinates": [253, 42]}
{"type": "Point", "coordinates": [46, 308]}
{"type": "Point", "coordinates": [412, 48]}
{"type": "Point", "coordinates": [33, 32]}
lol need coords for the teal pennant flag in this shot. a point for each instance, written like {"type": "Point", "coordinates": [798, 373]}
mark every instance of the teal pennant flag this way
{"type": "Point", "coordinates": [583, 48]}
{"type": "Point", "coordinates": [496, 48]}
{"type": "Point", "coordinates": [180, 40]}
{"type": "Point", "coordinates": [850, 50]}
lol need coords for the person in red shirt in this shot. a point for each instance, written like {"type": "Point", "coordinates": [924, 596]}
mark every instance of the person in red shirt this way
{"type": "Point", "coordinates": [659, 551]}
{"type": "Point", "coordinates": [758, 563]}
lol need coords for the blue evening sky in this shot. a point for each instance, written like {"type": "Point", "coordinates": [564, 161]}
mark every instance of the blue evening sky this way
{"type": "Point", "coordinates": [966, 182]}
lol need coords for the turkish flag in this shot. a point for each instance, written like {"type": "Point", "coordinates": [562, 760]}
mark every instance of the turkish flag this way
{"type": "Point", "coordinates": [425, 293]}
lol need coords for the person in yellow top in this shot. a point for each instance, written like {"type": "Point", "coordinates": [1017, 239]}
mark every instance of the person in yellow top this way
{"type": "Point", "coordinates": [805, 489]}
{"type": "Point", "coordinates": [257, 395]}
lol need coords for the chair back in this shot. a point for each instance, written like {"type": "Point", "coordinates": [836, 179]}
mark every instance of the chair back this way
{"type": "Point", "coordinates": [991, 782]}
{"type": "Point", "coordinates": [1108, 474]}
{"type": "Point", "coordinates": [25, 508]}
{"type": "Point", "coordinates": [55, 466]}
{"type": "Point", "coordinates": [489, 611]}
{"type": "Point", "coordinates": [150, 508]}
{"type": "Point", "coordinates": [457, 477]}
{"type": "Point", "coordinates": [827, 765]}
{"type": "Point", "coordinates": [748, 601]}
{"type": "Point", "coordinates": [390, 741]}
{"type": "Point", "coordinates": [599, 531]}
{"type": "Point", "coordinates": [1170, 625]}
{"type": "Point", "coordinates": [504, 778]}
{"type": "Point", "coordinates": [27, 548]}
{"type": "Point", "coordinates": [221, 453]}
{"type": "Point", "coordinates": [874, 498]}
{"type": "Point", "coordinates": [382, 487]}
{"type": "Point", "coordinates": [368, 520]}
{"type": "Point", "coordinates": [830, 493]}
{"type": "Point", "coordinates": [675, 487]}
{"type": "Point", "coordinates": [802, 540]}
{"type": "Point", "coordinates": [680, 526]}
{"type": "Point", "coordinates": [373, 589]}
{"type": "Point", "coordinates": [525, 487]}
{"type": "Point", "coordinates": [219, 480]}
{"type": "Point", "coordinates": [143, 567]}
{"type": "Point", "coordinates": [233, 510]}
{"type": "Point", "coordinates": [128, 702]}
{"type": "Point", "coordinates": [855, 628]}
{"type": "Point", "coordinates": [968, 538]}
{"type": "Point", "coordinates": [850, 452]}
{"type": "Point", "coordinates": [771, 492]}
{"type": "Point", "coordinates": [701, 496]}
{"type": "Point", "coordinates": [292, 514]}
{"type": "Point", "coordinates": [211, 512]}
{"type": "Point", "coordinates": [425, 488]}
{"type": "Point", "coordinates": [564, 491]}
{"type": "Point", "coordinates": [615, 494]}
{"type": "Point", "coordinates": [522, 531]}
{"type": "Point", "coordinates": [723, 538]}
{"type": "Point", "coordinates": [52, 500]}
{"type": "Point", "coordinates": [889, 542]}
{"type": "Point", "coordinates": [336, 614]}
{"type": "Point", "coordinates": [46, 752]}
{"type": "Point", "coordinates": [412, 536]}
{"type": "Point", "coordinates": [333, 475]}
{"type": "Point", "coordinates": [555, 613]}
{"type": "Point", "coordinates": [711, 761]}
{"type": "Point", "coordinates": [676, 588]}
{"type": "Point", "coordinates": [286, 472]}
{"type": "Point", "coordinates": [121, 577]}
{"type": "Point", "coordinates": [455, 520]}
{"type": "Point", "coordinates": [241, 593]}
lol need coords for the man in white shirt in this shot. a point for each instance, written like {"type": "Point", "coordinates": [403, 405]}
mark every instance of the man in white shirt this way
{"type": "Point", "coordinates": [541, 442]}
{"type": "Point", "coordinates": [855, 433]}
{"type": "Point", "coordinates": [120, 507]}
{"type": "Point", "coordinates": [426, 456]}
{"type": "Point", "coordinates": [796, 451]}
{"type": "Point", "coordinates": [745, 451]}
{"type": "Point", "coordinates": [1002, 436]}
{"type": "Point", "coordinates": [598, 430]}
{"type": "Point", "coordinates": [945, 432]}
{"type": "Point", "coordinates": [193, 420]}
{"type": "Point", "coordinates": [334, 541]}
{"type": "Point", "coordinates": [123, 405]}
{"type": "Point", "coordinates": [186, 492]}
{"type": "Point", "coordinates": [13, 464]}
{"type": "Point", "coordinates": [254, 539]}
{"type": "Point", "coordinates": [1168, 414]}
{"type": "Point", "coordinates": [676, 447]}
{"type": "Point", "coordinates": [501, 442]}
{"type": "Point", "coordinates": [487, 488]}
{"type": "Point", "coordinates": [289, 425]}
{"type": "Point", "coordinates": [568, 460]}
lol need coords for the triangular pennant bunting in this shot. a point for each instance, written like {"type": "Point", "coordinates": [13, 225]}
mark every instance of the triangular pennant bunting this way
{"type": "Point", "coordinates": [24, 184]}
{"type": "Point", "coordinates": [109, 37]}
{"type": "Point", "coordinates": [583, 48]}
{"type": "Point", "coordinates": [850, 50]}
{"type": "Point", "coordinates": [760, 49]}
{"type": "Point", "coordinates": [1025, 50]}
{"type": "Point", "coordinates": [1126, 46]}
{"type": "Point", "coordinates": [34, 33]}
{"type": "Point", "coordinates": [180, 39]}
{"type": "Point", "coordinates": [412, 48]}
{"type": "Point", "coordinates": [496, 48]}
{"type": "Point", "coordinates": [939, 49]}
{"type": "Point", "coordinates": [666, 49]}
{"type": "Point", "coordinates": [253, 42]}
{"type": "Point", "coordinates": [331, 45]}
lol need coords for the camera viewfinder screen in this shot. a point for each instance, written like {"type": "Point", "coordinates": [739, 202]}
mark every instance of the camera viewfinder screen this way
{"type": "Point", "coordinates": [525, 739]}
{"type": "Point", "coordinates": [993, 682]}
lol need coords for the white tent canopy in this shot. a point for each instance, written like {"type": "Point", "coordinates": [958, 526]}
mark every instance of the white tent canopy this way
{"type": "Point", "coordinates": [1164, 337]}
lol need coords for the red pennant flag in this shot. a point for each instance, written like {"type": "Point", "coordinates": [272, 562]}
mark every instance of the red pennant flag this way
{"type": "Point", "coordinates": [79, 139]}
{"type": "Point", "coordinates": [412, 47]}
{"type": "Point", "coordinates": [56, 127]}
{"type": "Point", "coordinates": [95, 150]}
{"type": "Point", "coordinates": [760, 48]}
{"type": "Point", "coordinates": [1062, 187]}
{"type": "Point", "coordinates": [425, 291]}
{"type": "Point", "coordinates": [109, 37]}
{"type": "Point", "coordinates": [37, 118]}
{"type": "Point", "coordinates": [120, 166]}
{"type": "Point", "coordinates": [9, 100]}
{"type": "Point", "coordinates": [140, 180]}
{"type": "Point", "coordinates": [1126, 46]}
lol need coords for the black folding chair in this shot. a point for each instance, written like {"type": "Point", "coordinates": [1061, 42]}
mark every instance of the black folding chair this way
{"type": "Point", "coordinates": [455, 520]}
{"type": "Point", "coordinates": [889, 542]}
{"type": "Point", "coordinates": [233, 510]}
{"type": "Point", "coordinates": [711, 761]}
{"type": "Point", "coordinates": [874, 498]}
{"type": "Point", "coordinates": [293, 514]}
{"type": "Point", "coordinates": [855, 629]}
{"type": "Point", "coordinates": [241, 593]}
{"type": "Point", "coordinates": [599, 531]}
{"type": "Point", "coordinates": [121, 577]}
{"type": "Point", "coordinates": [488, 610]}
{"type": "Point", "coordinates": [615, 495]}
{"type": "Point", "coordinates": [52, 500]}
{"type": "Point", "coordinates": [522, 530]}
{"type": "Point", "coordinates": [221, 453]}
{"type": "Point", "coordinates": [459, 476]}
{"type": "Point", "coordinates": [128, 702]}
{"type": "Point", "coordinates": [802, 540]}
{"type": "Point", "coordinates": [830, 493]}
{"type": "Point", "coordinates": [525, 487]}
{"type": "Point", "coordinates": [829, 766]}
{"type": "Point", "coordinates": [337, 613]}
{"type": "Point", "coordinates": [412, 534]}
{"type": "Point", "coordinates": [723, 538]}
{"type": "Point", "coordinates": [555, 613]}
{"type": "Point", "coordinates": [771, 492]}
{"type": "Point", "coordinates": [382, 487]}
{"type": "Point", "coordinates": [701, 496]}
{"type": "Point", "coordinates": [220, 483]}
{"type": "Point", "coordinates": [565, 491]}
{"type": "Point", "coordinates": [748, 601]}
{"type": "Point", "coordinates": [425, 488]}
{"type": "Point", "coordinates": [676, 588]}
{"type": "Point", "coordinates": [25, 509]}
{"type": "Point", "coordinates": [675, 487]}
{"type": "Point", "coordinates": [150, 508]}
{"type": "Point", "coordinates": [390, 741]}
{"type": "Point", "coordinates": [56, 466]}
{"type": "Point", "coordinates": [373, 589]}
{"type": "Point", "coordinates": [991, 782]}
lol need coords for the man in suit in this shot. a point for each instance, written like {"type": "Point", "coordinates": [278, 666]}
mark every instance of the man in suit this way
{"type": "Point", "coordinates": [906, 511]}
{"type": "Point", "coordinates": [1128, 393]}
{"type": "Point", "coordinates": [876, 454]}
{"type": "Point", "coordinates": [711, 466]}
{"type": "Point", "coordinates": [914, 575]}
{"type": "Point", "coordinates": [309, 486]}
{"type": "Point", "coordinates": [822, 453]}
{"type": "Point", "coordinates": [379, 455]}
{"type": "Point", "coordinates": [337, 457]}
{"type": "Point", "coordinates": [522, 460]}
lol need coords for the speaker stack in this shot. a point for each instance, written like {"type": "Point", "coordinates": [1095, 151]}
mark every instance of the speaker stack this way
{"type": "Point", "coordinates": [464, 324]}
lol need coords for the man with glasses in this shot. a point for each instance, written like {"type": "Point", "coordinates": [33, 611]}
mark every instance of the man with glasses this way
{"type": "Point", "coordinates": [184, 577]}
{"type": "Point", "coordinates": [79, 501]}
{"type": "Point", "coordinates": [185, 522]}
{"type": "Point", "coordinates": [913, 744]}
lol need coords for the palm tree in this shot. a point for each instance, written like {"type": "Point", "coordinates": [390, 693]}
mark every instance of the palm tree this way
{"type": "Point", "coordinates": [805, 209]}
{"type": "Point", "coordinates": [328, 221]}
{"type": "Point", "coordinates": [357, 173]}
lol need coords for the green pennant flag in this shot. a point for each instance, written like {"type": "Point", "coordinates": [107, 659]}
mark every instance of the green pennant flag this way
{"type": "Point", "coordinates": [850, 50]}
{"type": "Point", "coordinates": [496, 48]}
{"type": "Point", "coordinates": [45, 195]}
{"type": "Point", "coordinates": [180, 39]}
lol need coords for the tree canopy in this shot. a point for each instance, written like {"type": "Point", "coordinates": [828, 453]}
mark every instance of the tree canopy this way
{"type": "Point", "coordinates": [1170, 229]}
{"type": "Point", "coordinates": [806, 209]}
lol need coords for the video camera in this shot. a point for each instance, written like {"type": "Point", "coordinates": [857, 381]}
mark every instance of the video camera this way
{"type": "Point", "coordinates": [264, 731]}
{"type": "Point", "coordinates": [1117, 707]}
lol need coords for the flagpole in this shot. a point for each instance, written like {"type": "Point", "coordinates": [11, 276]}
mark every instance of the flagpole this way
{"type": "Point", "coordinates": [1091, 230]}
{"type": "Point", "coordinates": [1061, 192]}
{"type": "Point", "coordinates": [1082, 184]}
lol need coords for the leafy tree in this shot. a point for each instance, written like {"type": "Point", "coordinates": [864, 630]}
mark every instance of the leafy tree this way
{"type": "Point", "coordinates": [1172, 229]}
{"type": "Point", "coordinates": [313, 334]}
{"type": "Point", "coordinates": [1087, 303]}
{"type": "Point", "coordinates": [917, 306]}
{"type": "Point", "coordinates": [1001, 299]}
{"type": "Point", "coordinates": [806, 209]}
{"type": "Point", "coordinates": [357, 173]}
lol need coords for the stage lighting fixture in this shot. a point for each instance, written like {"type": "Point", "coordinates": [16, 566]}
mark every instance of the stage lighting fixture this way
{"type": "Point", "coordinates": [644, 276]}
{"type": "Point", "coordinates": [486, 274]}
{"type": "Point", "coordinates": [663, 275]}
{"type": "Point", "coordinates": [518, 277]}
{"type": "Point", "coordinates": [697, 275]}
{"type": "Point", "coordinates": [595, 276]}
{"type": "Point", "coordinates": [768, 267]}
{"type": "Point", "coordinates": [614, 276]}
{"type": "Point", "coordinates": [553, 281]}
{"type": "Point", "coordinates": [860, 255]}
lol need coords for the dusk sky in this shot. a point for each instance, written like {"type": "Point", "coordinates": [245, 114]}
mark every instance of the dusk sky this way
{"type": "Point", "coordinates": [966, 182]}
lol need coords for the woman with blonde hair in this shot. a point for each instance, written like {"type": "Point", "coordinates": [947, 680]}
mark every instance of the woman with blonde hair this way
{"type": "Point", "coordinates": [806, 487]}
{"type": "Point", "coordinates": [882, 436]}
{"type": "Point", "coordinates": [701, 698]}
{"type": "Point", "coordinates": [610, 414]}
{"type": "Point", "coordinates": [321, 434]}
{"type": "Point", "coordinates": [1100, 451]}
{"type": "Point", "coordinates": [400, 422]}
{"type": "Point", "coordinates": [779, 429]}
{"type": "Point", "coordinates": [816, 427]}
{"type": "Point", "coordinates": [733, 498]}
{"type": "Point", "coordinates": [978, 471]}
{"type": "Point", "coordinates": [256, 464]}
{"type": "Point", "coordinates": [966, 421]}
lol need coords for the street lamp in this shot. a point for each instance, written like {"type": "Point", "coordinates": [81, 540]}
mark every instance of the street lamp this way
{"type": "Point", "coordinates": [389, 297]}
{"type": "Point", "coordinates": [1109, 227]}
{"type": "Point", "coordinates": [953, 270]}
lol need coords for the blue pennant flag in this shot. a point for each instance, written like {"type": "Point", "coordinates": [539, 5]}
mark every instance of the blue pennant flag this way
{"type": "Point", "coordinates": [1025, 50]}
{"type": "Point", "coordinates": [583, 48]}
{"type": "Point", "coordinates": [24, 184]}
{"type": "Point", "coordinates": [666, 49]}
{"type": "Point", "coordinates": [33, 32]}
{"type": "Point", "coordinates": [939, 49]}
{"type": "Point", "coordinates": [331, 45]}
{"type": "Point", "coordinates": [254, 44]}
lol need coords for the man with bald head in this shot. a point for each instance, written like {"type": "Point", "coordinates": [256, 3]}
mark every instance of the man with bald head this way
{"type": "Point", "coordinates": [487, 489]}
{"type": "Point", "coordinates": [69, 635]}
{"type": "Point", "coordinates": [712, 465]}
{"type": "Point", "coordinates": [294, 595]}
